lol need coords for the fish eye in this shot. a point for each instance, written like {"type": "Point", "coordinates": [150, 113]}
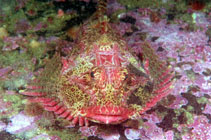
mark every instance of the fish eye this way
{"type": "Point", "coordinates": [126, 77]}
{"type": "Point", "coordinates": [92, 74]}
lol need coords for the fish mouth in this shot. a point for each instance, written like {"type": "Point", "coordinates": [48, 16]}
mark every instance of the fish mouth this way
{"type": "Point", "coordinates": [107, 114]}
{"type": "Point", "coordinates": [107, 119]}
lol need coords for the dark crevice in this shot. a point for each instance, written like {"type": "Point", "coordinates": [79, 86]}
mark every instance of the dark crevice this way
{"type": "Point", "coordinates": [128, 19]}
{"type": "Point", "coordinates": [192, 101]}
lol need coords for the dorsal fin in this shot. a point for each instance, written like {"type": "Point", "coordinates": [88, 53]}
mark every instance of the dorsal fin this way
{"type": "Point", "coordinates": [101, 16]}
{"type": "Point", "coordinates": [101, 8]}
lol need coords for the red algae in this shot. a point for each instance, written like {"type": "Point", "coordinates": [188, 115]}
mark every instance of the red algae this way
{"type": "Point", "coordinates": [197, 4]}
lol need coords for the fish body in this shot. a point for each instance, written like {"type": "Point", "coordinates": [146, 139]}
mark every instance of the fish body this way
{"type": "Point", "coordinates": [101, 80]}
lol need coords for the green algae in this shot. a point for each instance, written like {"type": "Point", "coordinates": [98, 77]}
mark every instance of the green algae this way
{"type": "Point", "coordinates": [17, 100]}
{"type": "Point", "coordinates": [46, 14]}
{"type": "Point", "coordinates": [14, 83]}
{"type": "Point", "coordinates": [14, 58]}
{"type": "Point", "coordinates": [190, 108]}
{"type": "Point", "coordinates": [28, 134]}
{"type": "Point", "coordinates": [34, 13]}
{"type": "Point", "coordinates": [180, 5]}
{"type": "Point", "coordinates": [7, 6]}
{"type": "Point", "coordinates": [202, 100]}
{"type": "Point", "coordinates": [182, 117]}
{"type": "Point", "coordinates": [37, 49]}
{"type": "Point", "coordinates": [54, 126]}
{"type": "Point", "coordinates": [19, 63]}
{"type": "Point", "coordinates": [57, 129]}
{"type": "Point", "coordinates": [44, 122]}
{"type": "Point", "coordinates": [15, 105]}
{"type": "Point", "coordinates": [190, 74]}
{"type": "Point", "coordinates": [140, 3]}
{"type": "Point", "coordinates": [175, 125]}
{"type": "Point", "coordinates": [11, 19]}
{"type": "Point", "coordinates": [116, 15]}
{"type": "Point", "coordinates": [189, 117]}
{"type": "Point", "coordinates": [66, 134]}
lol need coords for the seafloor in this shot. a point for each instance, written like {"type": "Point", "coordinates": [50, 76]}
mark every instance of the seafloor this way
{"type": "Point", "coordinates": [178, 30]}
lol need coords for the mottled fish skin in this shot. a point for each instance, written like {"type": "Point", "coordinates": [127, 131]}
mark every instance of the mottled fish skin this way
{"type": "Point", "coordinates": [101, 80]}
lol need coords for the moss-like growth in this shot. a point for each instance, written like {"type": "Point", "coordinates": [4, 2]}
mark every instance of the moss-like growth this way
{"type": "Point", "coordinates": [37, 49]}
{"type": "Point", "coordinates": [190, 108]}
{"type": "Point", "coordinates": [202, 100]}
{"type": "Point", "coordinates": [175, 125]}
{"type": "Point", "coordinates": [55, 126]}
{"type": "Point", "coordinates": [140, 3]}
{"type": "Point", "coordinates": [189, 117]}
{"type": "Point", "coordinates": [3, 32]}
{"type": "Point", "coordinates": [46, 14]}
{"type": "Point", "coordinates": [190, 74]}
{"type": "Point", "coordinates": [14, 58]}
{"type": "Point", "coordinates": [12, 18]}
{"type": "Point", "coordinates": [33, 13]}
{"type": "Point", "coordinates": [115, 16]}
{"type": "Point", "coordinates": [15, 104]}
{"type": "Point", "coordinates": [66, 134]}
{"type": "Point", "coordinates": [33, 109]}
{"type": "Point", "coordinates": [19, 64]}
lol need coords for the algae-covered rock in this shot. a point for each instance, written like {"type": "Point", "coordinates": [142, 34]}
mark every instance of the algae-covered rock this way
{"type": "Point", "coordinates": [3, 32]}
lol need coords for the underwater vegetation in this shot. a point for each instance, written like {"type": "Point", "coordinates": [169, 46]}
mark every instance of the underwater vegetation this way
{"type": "Point", "coordinates": [68, 72]}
